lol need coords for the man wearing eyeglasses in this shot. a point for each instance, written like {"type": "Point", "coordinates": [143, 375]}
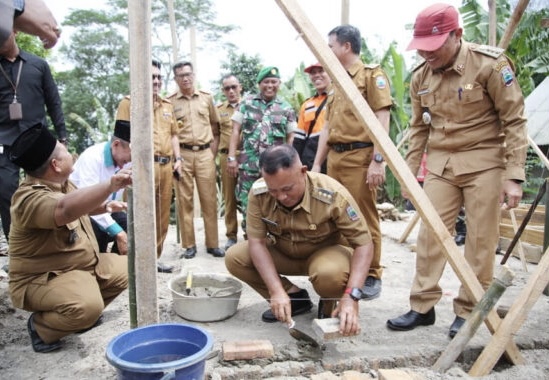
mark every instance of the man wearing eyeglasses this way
{"type": "Point", "coordinates": [198, 131]}
{"type": "Point", "coordinates": [167, 159]}
{"type": "Point", "coordinates": [232, 91]}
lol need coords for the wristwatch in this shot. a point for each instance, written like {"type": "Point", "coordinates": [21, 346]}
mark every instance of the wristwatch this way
{"type": "Point", "coordinates": [231, 159]}
{"type": "Point", "coordinates": [378, 158]}
{"type": "Point", "coordinates": [355, 293]}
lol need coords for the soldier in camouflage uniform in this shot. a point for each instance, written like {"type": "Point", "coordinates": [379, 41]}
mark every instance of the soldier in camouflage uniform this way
{"type": "Point", "coordinates": [261, 121]}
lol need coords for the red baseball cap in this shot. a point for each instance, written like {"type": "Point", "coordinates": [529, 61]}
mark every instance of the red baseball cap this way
{"type": "Point", "coordinates": [310, 68]}
{"type": "Point", "coordinates": [433, 24]}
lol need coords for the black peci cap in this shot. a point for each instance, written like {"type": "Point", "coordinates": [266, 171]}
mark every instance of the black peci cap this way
{"type": "Point", "coordinates": [32, 148]}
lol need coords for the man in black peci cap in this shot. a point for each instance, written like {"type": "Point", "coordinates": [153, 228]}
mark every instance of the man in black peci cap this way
{"type": "Point", "coordinates": [98, 163]}
{"type": "Point", "coordinates": [56, 271]}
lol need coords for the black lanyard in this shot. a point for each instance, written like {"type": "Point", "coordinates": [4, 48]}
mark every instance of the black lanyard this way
{"type": "Point", "coordinates": [13, 85]}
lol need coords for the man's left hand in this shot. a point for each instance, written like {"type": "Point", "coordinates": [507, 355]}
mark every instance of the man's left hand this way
{"type": "Point", "coordinates": [347, 310]}
{"type": "Point", "coordinates": [511, 194]}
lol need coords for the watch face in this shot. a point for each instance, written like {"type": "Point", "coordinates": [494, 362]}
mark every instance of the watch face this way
{"type": "Point", "coordinates": [356, 294]}
{"type": "Point", "coordinates": [378, 157]}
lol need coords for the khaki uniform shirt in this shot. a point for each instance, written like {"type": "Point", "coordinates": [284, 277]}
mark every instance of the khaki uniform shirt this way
{"type": "Point", "coordinates": [197, 117]}
{"type": "Point", "coordinates": [327, 215]}
{"type": "Point", "coordinates": [225, 111]}
{"type": "Point", "coordinates": [37, 246]}
{"type": "Point", "coordinates": [164, 124]}
{"type": "Point", "coordinates": [343, 125]}
{"type": "Point", "coordinates": [471, 114]}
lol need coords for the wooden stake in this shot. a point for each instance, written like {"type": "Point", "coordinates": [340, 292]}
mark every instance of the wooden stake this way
{"type": "Point", "coordinates": [502, 281]}
{"type": "Point", "coordinates": [514, 318]}
{"type": "Point", "coordinates": [396, 163]}
{"type": "Point", "coordinates": [409, 228]}
{"type": "Point", "coordinates": [520, 249]}
{"type": "Point", "coordinates": [513, 23]}
{"type": "Point", "coordinates": [139, 15]}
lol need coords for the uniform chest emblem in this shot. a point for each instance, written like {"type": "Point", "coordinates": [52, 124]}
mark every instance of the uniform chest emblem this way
{"type": "Point", "coordinates": [312, 227]}
{"type": "Point", "coordinates": [507, 76]}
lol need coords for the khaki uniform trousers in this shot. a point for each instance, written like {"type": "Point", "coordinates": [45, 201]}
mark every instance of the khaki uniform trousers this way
{"type": "Point", "coordinates": [328, 269]}
{"type": "Point", "coordinates": [73, 301]}
{"type": "Point", "coordinates": [479, 193]}
{"type": "Point", "coordinates": [350, 169]}
{"type": "Point", "coordinates": [229, 186]}
{"type": "Point", "coordinates": [197, 166]}
{"type": "Point", "coordinates": [163, 183]}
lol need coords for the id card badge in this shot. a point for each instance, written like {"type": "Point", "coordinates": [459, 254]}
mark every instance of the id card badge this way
{"type": "Point", "coordinates": [16, 111]}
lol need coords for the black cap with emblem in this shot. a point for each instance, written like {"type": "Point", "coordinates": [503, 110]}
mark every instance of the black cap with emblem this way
{"type": "Point", "coordinates": [32, 148]}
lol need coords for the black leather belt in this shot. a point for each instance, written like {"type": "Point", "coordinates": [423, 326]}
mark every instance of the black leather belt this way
{"type": "Point", "coordinates": [339, 148]}
{"type": "Point", "coordinates": [162, 160]}
{"type": "Point", "coordinates": [224, 151]}
{"type": "Point", "coordinates": [195, 147]}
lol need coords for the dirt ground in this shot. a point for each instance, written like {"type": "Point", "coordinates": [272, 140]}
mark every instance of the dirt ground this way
{"type": "Point", "coordinates": [83, 356]}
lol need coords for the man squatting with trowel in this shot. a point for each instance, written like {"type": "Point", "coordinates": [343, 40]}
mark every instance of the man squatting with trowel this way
{"type": "Point", "coordinates": [302, 223]}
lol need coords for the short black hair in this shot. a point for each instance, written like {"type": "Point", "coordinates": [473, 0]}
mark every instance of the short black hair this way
{"type": "Point", "coordinates": [181, 64]}
{"type": "Point", "coordinates": [156, 63]}
{"type": "Point", "coordinates": [277, 157]}
{"type": "Point", "coordinates": [348, 33]}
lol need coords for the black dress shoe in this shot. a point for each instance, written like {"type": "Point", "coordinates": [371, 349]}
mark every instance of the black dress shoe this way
{"type": "Point", "coordinates": [300, 301]}
{"type": "Point", "coordinates": [38, 344]}
{"type": "Point", "coordinates": [230, 243]}
{"type": "Point", "coordinates": [190, 252]}
{"type": "Point", "coordinates": [97, 323]}
{"type": "Point", "coordinates": [460, 239]}
{"type": "Point", "coordinates": [456, 325]}
{"type": "Point", "coordinates": [216, 252]}
{"type": "Point", "coordinates": [371, 288]}
{"type": "Point", "coordinates": [411, 320]}
{"type": "Point", "coordinates": [325, 308]}
{"type": "Point", "coordinates": [163, 268]}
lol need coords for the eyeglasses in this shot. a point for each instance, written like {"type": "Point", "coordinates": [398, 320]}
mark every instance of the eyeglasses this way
{"type": "Point", "coordinates": [181, 76]}
{"type": "Point", "coordinates": [229, 88]}
{"type": "Point", "coordinates": [157, 76]}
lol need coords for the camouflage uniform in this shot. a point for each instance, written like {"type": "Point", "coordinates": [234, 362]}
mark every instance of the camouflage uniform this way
{"type": "Point", "coordinates": [262, 124]}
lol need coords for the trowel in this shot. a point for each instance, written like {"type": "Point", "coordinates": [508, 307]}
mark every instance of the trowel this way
{"type": "Point", "coordinates": [300, 335]}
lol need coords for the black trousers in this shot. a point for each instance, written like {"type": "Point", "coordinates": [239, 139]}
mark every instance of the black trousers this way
{"type": "Point", "coordinates": [103, 239]}
{"type": "Point", "coordinates": [9, 181]}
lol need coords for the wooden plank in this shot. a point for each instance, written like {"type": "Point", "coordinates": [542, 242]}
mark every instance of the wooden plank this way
{"type": "Point", "coordinates": [519, 245]}
{"type": "Point", "coordinates": [537, 218]}
{"type": "Point", "coordinates": [530, 235]}
{"type": "Point", "coordinates": [139, 16]}
{"type": "Point", "coordinates": [532, 253]}
{"type": "Point", "coordinates": [409, 228]}
{"type": "Point", "coordinates": [396, 163]}
{"type": "Point", "coordinates": [514, 319]}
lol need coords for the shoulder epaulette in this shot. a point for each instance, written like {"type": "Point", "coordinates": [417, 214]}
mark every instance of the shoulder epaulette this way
{"type": "Point", "coordinates": [166, 100]}
{"type": "Point", "coordinates": [38, 186]}
{"type": "Point", "coordinates": [491, 51]}
{"type": "Point", "coordinates": [323, 195]}
{"type": "Point", "coordinates": [371, 65]}
{"type": "Point", "coordinates": [259, 187]}
{"type": "Point", "coordinates": [420, 64]}
{"type": "Point", "coordinates": [204, 92]}
{"type": "Point", "coordinates": [171, 95]}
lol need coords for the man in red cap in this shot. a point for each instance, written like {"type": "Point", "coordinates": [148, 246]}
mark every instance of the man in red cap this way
{"type": "Point", "coordinates": [312, 117]}
{"type": "Point", "coordinates": [468, 114]}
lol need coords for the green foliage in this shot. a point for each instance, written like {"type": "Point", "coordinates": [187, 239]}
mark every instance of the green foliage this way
{"type": "Point", "coordinates": [244, 67]}
{"type": "Point", "coordinates": [31, 44]}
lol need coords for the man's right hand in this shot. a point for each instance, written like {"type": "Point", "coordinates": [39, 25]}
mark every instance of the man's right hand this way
{"type": "Point", "coordinates": [38, 20]}
{"type": "Point", "coordinates": [232, 168]}
{"type": "Point", "coordinates": [281, 306]}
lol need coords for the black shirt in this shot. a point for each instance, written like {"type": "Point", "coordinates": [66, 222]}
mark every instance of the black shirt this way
{"type": "Point", "coordinates": [36, 92]}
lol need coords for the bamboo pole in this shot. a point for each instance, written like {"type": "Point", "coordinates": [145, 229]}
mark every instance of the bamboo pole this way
{"type": "Point", "coordinates": [513, 23]}
{"type": "Point", "coordinates": [514, 318]}
{"type": "Point", "coordinates": [502, 281]}
{"type": "Point", "coordinates": [492, 22]}
{"type": "Point", "coordinates": [132, 304]}
{"type": "Point", "coordinates": [396, 163]}
{"type": "Point", "coordinates": [139, 15]}
{"type": "Point", "coordinates": [345, 7]}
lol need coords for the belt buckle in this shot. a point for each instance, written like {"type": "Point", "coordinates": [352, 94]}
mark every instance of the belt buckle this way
{"type": "Point", "coordinates": [338, 148]}
{"type": "Point", "coordinates": [164, 160]}
{"type": "Point", "coordinates": [195, 148]}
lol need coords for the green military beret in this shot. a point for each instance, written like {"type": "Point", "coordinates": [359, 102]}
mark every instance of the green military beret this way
{"type": "Point", "coordinates": [268, 72]}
